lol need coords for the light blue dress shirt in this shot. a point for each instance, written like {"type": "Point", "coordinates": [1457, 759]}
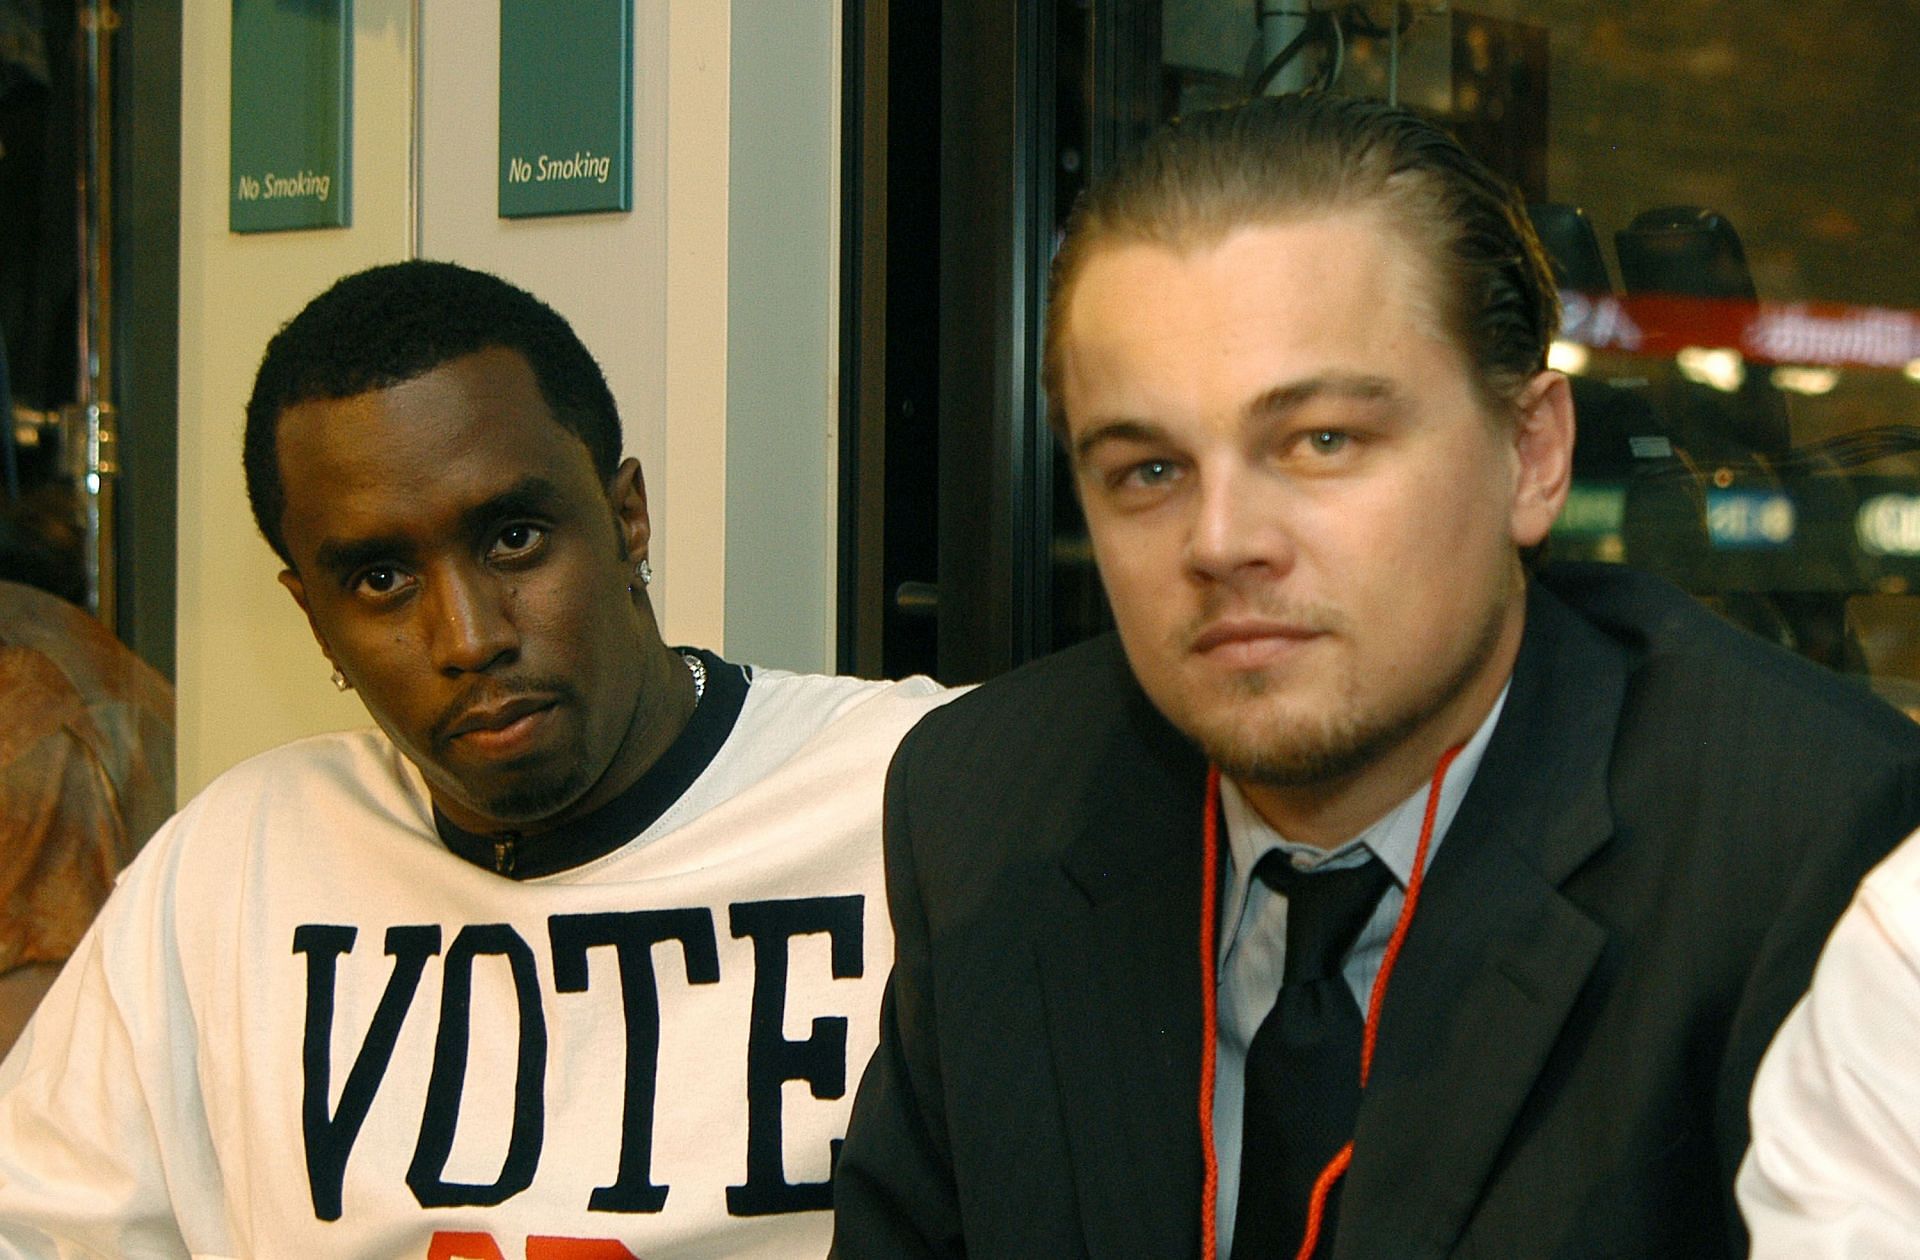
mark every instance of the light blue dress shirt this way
{"type": "Point", "coordinates": [1253, 955]}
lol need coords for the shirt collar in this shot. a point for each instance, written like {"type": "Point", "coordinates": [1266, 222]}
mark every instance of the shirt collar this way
{"type": "Point", "coordinates": [1394, 839]}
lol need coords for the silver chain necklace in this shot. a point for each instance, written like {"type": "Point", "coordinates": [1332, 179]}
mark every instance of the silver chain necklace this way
{"type": "Point", "coordinates": [698, 668]}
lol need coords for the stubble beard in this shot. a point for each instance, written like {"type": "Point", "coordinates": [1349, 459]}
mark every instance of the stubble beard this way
{"type": "Point", "coordinates": [542, 800]}
{"type": "Point", "coordinates": [526, 798]}
{"type": "Point", "coordinates": [1316, 750]}
{"type": "Point", "coordinates": [522, 801]}
{"type": "Point", "coordinates": [532, 803]}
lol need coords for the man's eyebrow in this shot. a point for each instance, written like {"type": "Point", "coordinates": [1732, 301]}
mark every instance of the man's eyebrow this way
{"type": "Point", "coordinates": [1282, 399]}
{"type": "Point", "coordinates": [1272, 405]}
{"type": "Point", "coordinates": [1121, 430]}
{"type": "Point", "coordinates": [342, 557]}
{"type": "Point", "coordinates": [530, 496]}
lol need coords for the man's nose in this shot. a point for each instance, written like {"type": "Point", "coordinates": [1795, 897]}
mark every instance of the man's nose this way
{"type": "Point", "coordinates": [1239, 525]}
{"type": "Point", "coordinates": [472, 627]}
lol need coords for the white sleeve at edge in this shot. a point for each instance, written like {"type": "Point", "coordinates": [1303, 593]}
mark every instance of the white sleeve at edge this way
{"type": "Point", "coordinates": [1834, 1169]}
{"type": "Point", "coordinates": [81, 1169]}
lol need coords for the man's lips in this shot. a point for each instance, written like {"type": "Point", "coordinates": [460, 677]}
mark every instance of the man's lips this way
{"type": "Point", "coordinates": [501, 724]}
{"type": "Point", "coordinates": [1250, 642]}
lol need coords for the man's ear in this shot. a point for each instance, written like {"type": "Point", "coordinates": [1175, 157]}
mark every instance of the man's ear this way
{"type": "Point", "coordinates": [628, 494]}
{"type": "Point", "coordinates": [1543, 446]}
{"type": "Point", "coordinates": [297, 589]}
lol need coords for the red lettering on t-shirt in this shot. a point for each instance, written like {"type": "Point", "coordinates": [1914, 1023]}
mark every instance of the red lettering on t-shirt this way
{"type": "Point", "coordinates": [453, 1245]}
{"type": "Point", "coordinates": [457, 1245]}
{"type": "Point", "coordinates": [544, 1248]}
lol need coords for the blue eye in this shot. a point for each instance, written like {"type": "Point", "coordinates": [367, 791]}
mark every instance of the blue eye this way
{"type": "Point", "coordinates": [1150, 474]}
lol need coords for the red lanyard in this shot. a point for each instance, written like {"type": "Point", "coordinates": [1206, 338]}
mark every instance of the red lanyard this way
{"type": "Point", "coordinates": [1210, 1002]}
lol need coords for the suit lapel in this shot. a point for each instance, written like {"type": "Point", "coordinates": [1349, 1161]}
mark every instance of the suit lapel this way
{"type": "Point", "coordinates": [1490, 971]}
{"type": "Point", "coordinates": [1121, 978]}
{"type": "Point", "coordinates": [1496, 955]}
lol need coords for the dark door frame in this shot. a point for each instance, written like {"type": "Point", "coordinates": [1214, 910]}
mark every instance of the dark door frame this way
{"type": "Point", "coordinates": [996, 158]}
{"type": "Point", "coordinates": [1001, 194]}
{"type": "Point", "coordinates": [146, 257]}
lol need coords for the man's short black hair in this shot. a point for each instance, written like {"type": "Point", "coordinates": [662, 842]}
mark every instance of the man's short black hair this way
{"type": "Point", "coordinates": [387, 325]}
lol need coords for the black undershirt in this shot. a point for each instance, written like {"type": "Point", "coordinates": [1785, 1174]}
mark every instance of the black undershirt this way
{"type": "Point", "coordinates": [599, 833]}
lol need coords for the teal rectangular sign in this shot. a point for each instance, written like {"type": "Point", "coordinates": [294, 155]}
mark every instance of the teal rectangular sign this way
{"type": "Point", "coordinates": [292, 138]}
{"type": "Point", "coordinates": [566, 106]}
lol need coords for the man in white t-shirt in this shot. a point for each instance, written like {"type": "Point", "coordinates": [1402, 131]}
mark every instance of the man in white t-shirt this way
{"type": "Point", "coordinates": [575, 956]}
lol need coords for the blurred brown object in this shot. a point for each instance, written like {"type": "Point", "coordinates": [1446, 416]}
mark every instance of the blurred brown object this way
{"type": "Point", "coordinates": [86, 775]}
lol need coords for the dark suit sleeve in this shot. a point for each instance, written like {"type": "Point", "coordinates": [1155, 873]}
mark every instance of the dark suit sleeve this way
{"type": "Point", "coordinates": [1851, 840]}
{"type": "Point", "coordinates": [894, 1191]}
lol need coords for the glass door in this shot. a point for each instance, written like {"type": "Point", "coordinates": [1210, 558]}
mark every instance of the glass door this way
{"type": "Point", "coordinates": [1726, 195]}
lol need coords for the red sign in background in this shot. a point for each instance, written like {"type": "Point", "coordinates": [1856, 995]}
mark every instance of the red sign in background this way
{"type": "Point", "coordinates": [1827, 334]}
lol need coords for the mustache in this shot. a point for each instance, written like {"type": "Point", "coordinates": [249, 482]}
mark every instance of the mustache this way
{"type": "Point", "coordinates": [494, 692]}
{"type": "Point", "coordinates": [1223, 605]}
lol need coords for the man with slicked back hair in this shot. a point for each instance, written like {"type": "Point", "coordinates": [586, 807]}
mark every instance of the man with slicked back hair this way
{"type": "Point", "coordinates": [1378, 889]}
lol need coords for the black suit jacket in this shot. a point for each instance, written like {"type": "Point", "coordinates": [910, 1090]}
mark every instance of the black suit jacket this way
{"type": "Point", "coordinates": [1668, 819]}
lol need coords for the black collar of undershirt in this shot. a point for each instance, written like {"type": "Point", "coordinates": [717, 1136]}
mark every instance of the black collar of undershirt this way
{"type": "Point", "coordinates": [627, 815]}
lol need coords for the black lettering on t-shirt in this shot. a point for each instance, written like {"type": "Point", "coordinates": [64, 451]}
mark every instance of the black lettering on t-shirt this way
{"type": "Point", "coordinates": [330, 1138]}
{"type": "Point", "coordinates": [820, 1060]}
{"type": "Point", "coordinates": [441, 1116]}
{"type": "Point", "coordinates": [633, 934]}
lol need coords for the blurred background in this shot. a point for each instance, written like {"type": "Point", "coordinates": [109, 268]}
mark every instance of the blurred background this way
{"type": "Point", "coordinates": [1728, 191]}
{"type": "Point", "coordinates": [821, 315]}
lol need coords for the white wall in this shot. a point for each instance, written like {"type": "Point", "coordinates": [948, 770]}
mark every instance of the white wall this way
{"type": "Point", "coordinates": [782, 345]}
{"type": "Point", "coordinates": [637, 286]}
{"type": "Point", "coordinates": [649, 291]}
{"type": "Point", "coordinates": [248, 673]}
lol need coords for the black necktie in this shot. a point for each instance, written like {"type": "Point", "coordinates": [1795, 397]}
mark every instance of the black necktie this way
{"type": "Point", "coordinates": [1303, 1066]}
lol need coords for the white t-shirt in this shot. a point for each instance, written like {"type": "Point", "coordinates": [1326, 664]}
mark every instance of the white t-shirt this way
{"type": "Point", "coordinates": [1834, 1169]}
{"type": "Point", "coordinates": [303, 1027]}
